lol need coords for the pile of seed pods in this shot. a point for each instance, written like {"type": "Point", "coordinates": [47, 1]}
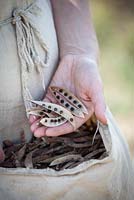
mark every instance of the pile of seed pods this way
{"type": "Point", "coordinates": [67, 107]}
{"type": "Point", "coordinates": [58, 153]}
{"type": "Point", "coordinates": [62, 152]}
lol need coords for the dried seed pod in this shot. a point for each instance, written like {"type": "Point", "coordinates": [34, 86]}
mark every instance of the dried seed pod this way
{"type": "Point", "coordinates": [36, 112]}
{"type": "Point", "coordinates": [28, 160]}
{"type": "Point", "coordinates": [40, 113]}
{"type": "Point", "coordinates": [67, 158]}
{"type": "Point", "coordinates": [50, 159]}
{"type": "Point", "coordinates": [21, 152]}
{"type": "Point", "coordinates": [70, 97]}
{"type": "Point", "coordinates": [52, 122]}
{"type": "Point", "coordinates": [7, 143]}
{"type": "Point", "coordinates": [57, 109]}
{"type": "Point", "coordinates": [94, 153]}
{"type": "Point", "coordinates": [74, 110]}
{"type": "Point", "coordinates": [60, 151]}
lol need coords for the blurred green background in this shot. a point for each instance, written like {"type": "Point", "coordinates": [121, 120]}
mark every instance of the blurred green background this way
{"type": "Point", "coordinates": [114, 24]}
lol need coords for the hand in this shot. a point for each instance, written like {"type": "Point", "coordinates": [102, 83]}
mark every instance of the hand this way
{"type": "Point", "coordinates": [79, 75]}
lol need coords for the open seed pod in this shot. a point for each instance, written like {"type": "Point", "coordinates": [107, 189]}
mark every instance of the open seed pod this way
{"type": "Point", "coordinates": [41, 112]}
{"type": "Point", "coordinates": [69, 97]}
{"type": "Point", "coordinates": [61, 111]}
{"type": "Point", "coordinates": [52, 122]}
{"type": "Point", "coordinates": [69, 106]}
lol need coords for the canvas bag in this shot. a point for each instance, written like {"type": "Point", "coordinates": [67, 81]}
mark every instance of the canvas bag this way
{"type": "Point", "coordinates": [15, 57]}
{"type": "Point", "coordinates": [108, 179]}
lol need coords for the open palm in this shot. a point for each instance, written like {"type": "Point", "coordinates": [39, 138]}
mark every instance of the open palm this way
{"type": "Point", "coordinates": [79, 75]}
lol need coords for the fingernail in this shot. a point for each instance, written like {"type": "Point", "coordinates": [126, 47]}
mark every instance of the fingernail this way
{"type": "Point", "coordinates": [34, 117]}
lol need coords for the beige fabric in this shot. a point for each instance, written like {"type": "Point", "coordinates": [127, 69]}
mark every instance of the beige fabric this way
{"type": "Point", "coordinates": [12, 111]}
{"type": "Point", "coordinates": [107, 179]}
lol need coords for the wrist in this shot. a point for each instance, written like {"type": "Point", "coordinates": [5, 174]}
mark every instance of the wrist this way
{"type": "Point", "coordinates": [71, 57]}
{"type": "Point", "coordinates": [91, 55]}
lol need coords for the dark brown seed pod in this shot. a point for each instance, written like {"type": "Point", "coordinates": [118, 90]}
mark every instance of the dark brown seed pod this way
{"type": "Point", "coordinates": [67, 158]}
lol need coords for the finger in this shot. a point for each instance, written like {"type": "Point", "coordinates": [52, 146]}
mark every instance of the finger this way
{"type": "Point", "coordinates": [99, 106]}
{"type": "Point", "coordinates": [40, 132]}
{"type": "Point", "coordinates": [32, 119]}
{"type": "Point", "coordinates": [67, 127]}
{"type": "Point", "coordinates": [35, 125]}
{"type": "Point", "coordinates": [60, 130]}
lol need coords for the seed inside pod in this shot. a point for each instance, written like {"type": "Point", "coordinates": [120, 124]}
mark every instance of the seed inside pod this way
{"type": "Point", "coordinates": [61, 90]}
{"type": "Point", "coordinates": [80, 106]}
{"type": "Point", "coordinates": [70, 97]}
{"type": "Point", "coordinates": [61, 111]}
{"type": "Point", "coordinates": [72, 109]}
{"type": "Point", "coordinates": [55, 109]}
{"type": "Point", "coordinates": [62, 101]}
{"type": "Point", "coordinates": [65, 94]}
{"type": "Point", "coordinates": [41, 113]}
{"type": "Point", "coordinates": [58, 97]}
{"type": "Point", "coordinates": [49, 107]}
{"type": "Point", "coordinates": [71, 119]}
{"type": "Point", "coordinates": [74, 101]}
{"type": "Point", "coordinates": [66, 105]}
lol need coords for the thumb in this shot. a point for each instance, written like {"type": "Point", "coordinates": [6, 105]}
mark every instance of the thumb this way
{"type": "Point", "coordinates": [99, 106]}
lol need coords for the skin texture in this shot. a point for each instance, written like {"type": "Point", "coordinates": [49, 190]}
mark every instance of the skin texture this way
{"type": "Point", "coordinates": [86, 86]}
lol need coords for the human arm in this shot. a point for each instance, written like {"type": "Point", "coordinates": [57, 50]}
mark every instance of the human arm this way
{"type": "Point", "coordinates": [74, 28]}
{"type": "Point", "coordinates": [78, 67]}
